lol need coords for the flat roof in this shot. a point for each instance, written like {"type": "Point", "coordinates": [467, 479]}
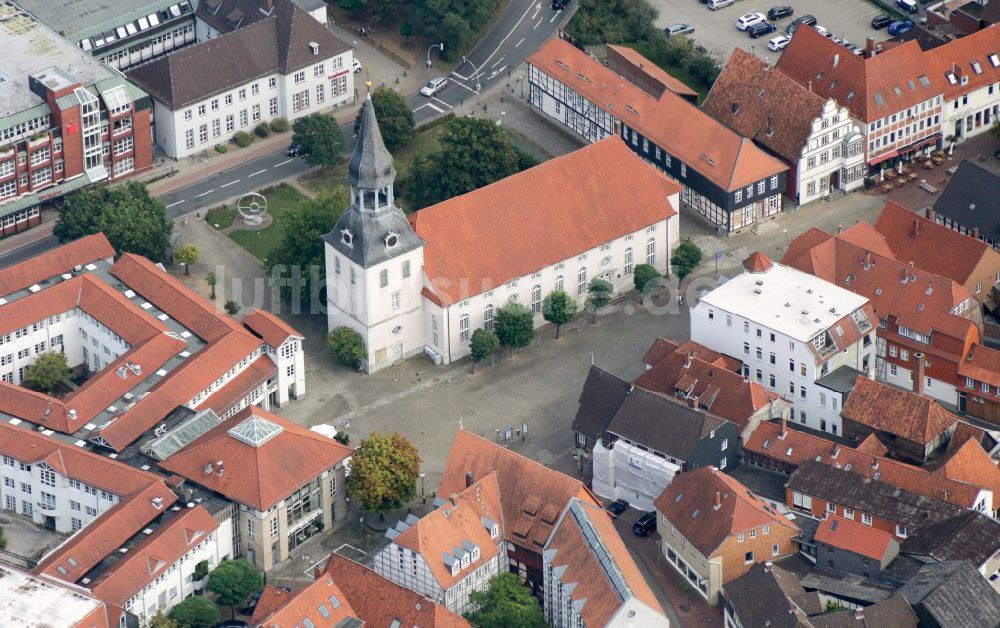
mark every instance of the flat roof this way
{"type": "Point", "coordinates": [789, 301]}
{"type": "Point", "coordinates": [77, 16]}
{"type": "Point", "coordinates": [29, 601]}
{"type": "Point", "coordinates": [31, 47]}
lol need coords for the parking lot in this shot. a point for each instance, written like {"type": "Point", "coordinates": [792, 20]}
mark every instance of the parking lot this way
{"type": "Point", "coordinates": [716, 30]}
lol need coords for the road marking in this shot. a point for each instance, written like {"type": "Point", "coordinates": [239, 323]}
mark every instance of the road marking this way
{"type": "Point", "coordinates": [230, 183]}
{"type": "Point", "coordinates": [436, 99]}
{"type": "Point", "coordinates": [463, 85]}
{"type": "Point", "coordinates": [554, 16]}
{"type": "Point", "coordinates": [434, 107]}
{"type": "Point", "coordinates": [172, 204]}
{"type": "Point", "coordinates": [538, 7]}
{"type": "Point", "coordinates": [497, 62]}
{"type": "Point", "coordinates": [519, 43]}
{"type": "Point", "coordinates": [204, 193]}
{"type": "Point", "coordinates": [537, 24]}
{"type": "Point", "coordinates": [495, 72]}
{"type": "Point", "coordinates": [282, 163]}
{"type": "Point", "coordinates": [258, 172]}
{"type": "Point", "coordinates": [506, 37]}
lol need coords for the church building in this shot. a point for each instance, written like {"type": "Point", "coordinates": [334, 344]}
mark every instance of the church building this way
{"type": "Point", "coordinates": [424, 282]}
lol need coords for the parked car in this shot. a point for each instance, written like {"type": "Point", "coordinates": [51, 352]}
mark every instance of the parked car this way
{"type": "Point", "coordinates": [808, 20]}
{"type": "Point", "coordinates": [746, 21]}
{"type": "Point", "coordinates": [681, 28]}
{"type": "Point", "coordinates": [433, 86]}
{"type": "Point", "coordinates": [645, 524]}
{"type": "Point", "coordinates": [292, 150]}
{"type": "Point", "coordinates": [821, 30]}
{"type": "Point", "coordinates": [776, 13]}
{"type": "Point", "coordinates": [900, 27]}
{"type": "Point", "coordinates": [356, 66]}
{"type": "Point", "coordinates": [558, 5]}
{"type": "Point", "coordinates": [617, 507]}
{"type": "Point", "coordinates": [909, 6]}
{"type": "Point", "coordinates": [777, 44]}
{"type": "Point", "coordinates": [881, 21]}
{"type": "Point", "coordinates": [715, 5]}
{"type": "Point", "coordinates": [759, 30]}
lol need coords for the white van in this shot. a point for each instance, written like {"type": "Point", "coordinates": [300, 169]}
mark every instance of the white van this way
{"type": "Point", "coordinates": [715, 5]}
{"type": "Point", "coordinates": [910, 6]}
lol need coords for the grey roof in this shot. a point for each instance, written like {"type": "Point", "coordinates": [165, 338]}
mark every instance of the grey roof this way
{"type": "Point", "coordinates": [77, 19]}
{"type": "Point", "coordinates": [892, 613]}
{"type": "Point", "coordinates": [970, 199]}
{"type": "Point", "coordinates": [278, 43]}
{"type": "Point", "coordinates": [760, 597]}
{"type": "Point", "coordinates": [840, 379]}
{"type": "Point", "coordinates": [370, 228]}
{"type": "Point", "coordinates": [968, 536]}
{"type": "Point", "coordinates": [764, 482]}
{"type": "Point", "coordinates": [863, 494]}
{"type": "Point", "coordinates": [847, 585]}
{"type": "Point", "coordinates": [602, 396]}
{"type": "Point", "coordinates": [662, 424]}
{"type": "Point", "coordinates": [952, 593]}
{"type": "Point", "coordinates": [251, 10]}
{"type": "Point", "coordinates": [370, 167]}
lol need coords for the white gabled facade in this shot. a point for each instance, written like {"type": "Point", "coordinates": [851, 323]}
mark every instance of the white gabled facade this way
{"type": "Point", "coordinates": [833, 157]}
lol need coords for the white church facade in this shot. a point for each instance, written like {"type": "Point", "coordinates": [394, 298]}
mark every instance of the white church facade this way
{"type": "Point", "coordinates": [424, 283]}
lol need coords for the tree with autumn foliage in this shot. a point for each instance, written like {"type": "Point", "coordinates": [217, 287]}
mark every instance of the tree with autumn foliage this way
{"type": "Point", "coordinates": [384, 471]}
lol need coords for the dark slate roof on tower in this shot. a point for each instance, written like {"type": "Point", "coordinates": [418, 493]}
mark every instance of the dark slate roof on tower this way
{"type": "Point", "coordinates": [371, 166]}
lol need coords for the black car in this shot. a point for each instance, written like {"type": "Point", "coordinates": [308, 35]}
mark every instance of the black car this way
{"type": "Point", "coordinates": [645, 524]}
{"type": "Point", "coordinates": [808, 20]}
{"type": "Point", "coordinates": [881, 21]}
{"type": "Point", "coordinates": [292, 150]}
{"type": "Point", "coordinates": [776, 13]}
{"type": "Point", "coordinates": [759, 30]}
{"type": "Point", "coordinates": [558, 5]}
{"type": "Point", "coordinates": [617, 507]}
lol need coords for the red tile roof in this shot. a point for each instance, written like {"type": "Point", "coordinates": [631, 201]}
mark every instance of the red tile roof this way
{"type": "Point", "coordinates": [982, 364]}
{"type": "Point", "coordinates": [916, 239]}
{"type": "Point", "coordinates": [826, 68]}
{"type": "Point", "coordinates": [106, 534]}
{"type": "Point", "coordinates": [517, 226]}
{"type": "Point", "coordinates": [60, 260]}
{"type": "Point", "coordinates": [959, 55]}
{"type": "Point", "coordinates": [278, 608]}
{"type": "Point", "coordinates": [587, 571]}
{"type": "Point", "coordinates": [758, 263]}
{"type": "Point", "coordinates": [380, 602]}
{"type": "Point", "coordinates": [153, 556]}
{"type": "Point", "coordinates": [269, 327]}
{"type": "Point", "coordinates": [642, 64]}
{"type": "Point", "coordinates": [854, 537]}
{"type": "Point", "coordinates": [688, 503]}
{"type": "Point", "coordinates": [526, 486]}
{"type": "Point", "coordinates": [258, 476]}
{"type": "Point", "coordinates": [438, 533]}
{"type": "Point", "coordinates": [259, 371]}
{"type": "Point", "coordinates": [709, 147]}
{"type": "Point", "coordinates": [899, 412]}
{"type": "Point", "coordinates": [971, 465]}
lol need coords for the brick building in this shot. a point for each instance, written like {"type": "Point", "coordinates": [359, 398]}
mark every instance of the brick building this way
{"type": "Point", "coordinates": [66, 121]}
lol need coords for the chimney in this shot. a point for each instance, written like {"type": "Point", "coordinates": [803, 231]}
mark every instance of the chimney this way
{"type": "Point", "coordinates": [687, 362]}
{"type": "Point", "coordinates": [718, 500]}
{"type": "Point", "coordinates": [916, 227]}
{"type": "Point", "coordinates": [836, 59]}
{"type": "Point", "coordinates": [929, 214]}
{"type": "Point", "coordinates": [208, 467]}
{"type": "Point", "coordinates": [975, 232]}
{"type": "Point", "coordinates": [767, 566]}
{"type": "Point", "coordinates": [266, 5]}
{"type": "Point", "coordinates": [918, 382]}
{"type": "Point", "coordinates": [736, 107]}
{"type": "Point", "coordinates": [770, 123]}
{"type": "Point", "coordinates": [869, 47]}
{"type": "Point", "coordinates": [454, 499]}
{"type": "Point", "coordinates": [810, 85]}
{"type": "Point", "coordinates": [469, 479]}
{"type": "Point", "coordinates": [859, 615]}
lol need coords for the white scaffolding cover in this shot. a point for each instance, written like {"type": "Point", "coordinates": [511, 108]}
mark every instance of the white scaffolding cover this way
{"type": "Point", "coordinates": [629, 473]}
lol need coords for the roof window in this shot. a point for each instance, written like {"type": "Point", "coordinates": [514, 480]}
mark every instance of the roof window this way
{"type": "Point", "coordinates": [951, 78]}
{"type": "Point", "coordinates": [911, 84]}
{"type": "Point", "coordinates": [896, 89]}
{"type": "Point", "coordinates": [924, 81]}
{"type": "Point", "coordinates": [994, 59]}
{"type": "Point", "coordinates": [346, 237]}
{"type": "Point", "coordinates": [879, 101]}
{"type": "Point", "coordinates": [978, 69]}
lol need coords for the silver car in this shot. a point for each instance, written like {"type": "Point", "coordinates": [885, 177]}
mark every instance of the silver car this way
{"type": "Point", "coordinates": [678, 29]}
{"type": "Point", "coordinates": [433, 86]}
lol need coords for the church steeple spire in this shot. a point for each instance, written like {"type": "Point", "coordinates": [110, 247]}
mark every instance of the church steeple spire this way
{"type": "Point", "coordinates": [370, 168]}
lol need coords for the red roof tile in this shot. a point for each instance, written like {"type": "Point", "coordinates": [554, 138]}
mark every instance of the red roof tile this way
{"type": "Point", "coordinates": [688, 503]}
{"type": "Point", "coordinates": [959, 54]}
{"type": "Point", "coordinates": [59, 260]}
{"type": "Point", "coordinates": [517, 226]}
{"type": "Point", "coordinates": [149, 559]}
{"type": "Point", "coordinates": [278, 608]}
{"type": "Point", "coordinates": [854, 537]}
{"type": "Point", "coordinates": [758, 263]}
{"type": "Point", "coordinates": [257, 476]}
{"type": "Point", "coordinates": [637, 62]}
{"type": "Point", "coordinates": [725, 158]}
{"type": "Point", "coordinates": [271, 599]}
{"type": "Point", "coordinates": [902, 413]}
{"type": "Point", "coordinates": [380, 602]}
{"type": "Point", "coordinates": [971, 465]}
{"type": "Point", "coordinates": [982, 364]}
{"type": "Point", "coordinates": [269, 327]}
{"type": "Point", "coordinates": [259, 371]}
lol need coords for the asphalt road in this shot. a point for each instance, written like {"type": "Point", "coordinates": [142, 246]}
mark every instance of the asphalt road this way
{"type": "Point", "coordinates": [519, 31]}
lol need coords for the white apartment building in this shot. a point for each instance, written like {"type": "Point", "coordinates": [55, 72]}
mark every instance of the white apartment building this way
{"type": "Point", "coordinates": [833, 155]}
{"type": "Point", "coordinates": [424, 284]}
{"type": "Point", "coordinates": [791, 330]}
{"type": "Point", "coordinates": [201, 98]}
{"type": "Point", "coordinates": [970, 67]}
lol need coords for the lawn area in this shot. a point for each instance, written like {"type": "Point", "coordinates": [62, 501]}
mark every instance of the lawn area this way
{"type": "Point", "coordinates": [280, 200]}
{"type": "Point", "coordinates": [221, 217]}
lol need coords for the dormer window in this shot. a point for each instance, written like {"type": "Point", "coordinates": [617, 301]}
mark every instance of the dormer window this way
{"type": "Point", "coordinates": [391, 240]}
{"type": "Point", "coordinates": [347, 237]}
{"type": "Point", "coordinates": [494, 531]}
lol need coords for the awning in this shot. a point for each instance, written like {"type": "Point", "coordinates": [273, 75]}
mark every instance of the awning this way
{"type": "Point", "coordinates": [881, 158]}
{"type": "Point", "coordinates": [924, 142]}
{"type": "Point", "coordinates": [30, 200]}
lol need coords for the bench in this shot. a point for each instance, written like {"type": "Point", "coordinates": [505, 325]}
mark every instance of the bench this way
{"type": "Point", "coordinates": [928, 187]}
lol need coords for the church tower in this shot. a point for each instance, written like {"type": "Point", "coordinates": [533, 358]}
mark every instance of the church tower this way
{"type": "Point", "coordinates": [374, 260]}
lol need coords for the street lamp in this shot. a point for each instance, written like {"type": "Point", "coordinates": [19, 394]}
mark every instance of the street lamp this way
{"type": "Point", "coordinates": [422, 495]}
{"type": "Point", "coordinates": [440, 47]}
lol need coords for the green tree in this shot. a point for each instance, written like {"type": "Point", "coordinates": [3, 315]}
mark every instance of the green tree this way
{"type": "Point", "coordinates": [355, 6]}
{"type": "Point", "coordinates": [233, 581]}
{"type": "Point", "coordinates": [995, 129]}
{"type": "Point", "coordinates": [407, 30]}
{"type": "Point", "coordinates": [47, 371]}
{"type": "Point", "coordinates": [507, 602]}
{"type": "Point", "coordinates": [382, 10]}
{"type": "Point", "coordinates": [232, 307]}
{"type": "Point", "coordinates": [702, 67]}
{"type": "Point", "coordinates": [644, 278]}
{"type": "Point", "coordinates": [384, 472]}
{"type": "Point", "coordinates": [196, 612]}
{"type": "Point", "coordinates": [160, 620]}
{"type": "Point", "coordinates": [319, 140]}
{"type": "Point", "coordinates": [558, 308]}
{"type": "Point", "coordinates": [599, 294]}
{"type": "Point", "coordinates": [484, 344]}
{"type": "Point", "coordinates": [833, 607]}
{"type": "Point", "coordinates": [298, 259]}
{"type": "Point", "coordinates": [612, 21]}
{"type": "Point", "coordinates": [3, 539]}
{"type": "Point", "coordinates": [395, 118]}
{"type": "Point", "coordinates": [472, 152]}
{"type": "Point", "coordinates": [685, 259]}
{"type": "Point", "coordinates": [514, 326]}
{"type": "Point", "coordinates": [454, 23]}
{"type": "Point", "coordinates": [347, 346]}
{"type": "Point", "coordinates": [187, 255]}
{"type": "Point", "coordinates": [211, 280]}
{"type": "Point", "coordinates": [132, 220]}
